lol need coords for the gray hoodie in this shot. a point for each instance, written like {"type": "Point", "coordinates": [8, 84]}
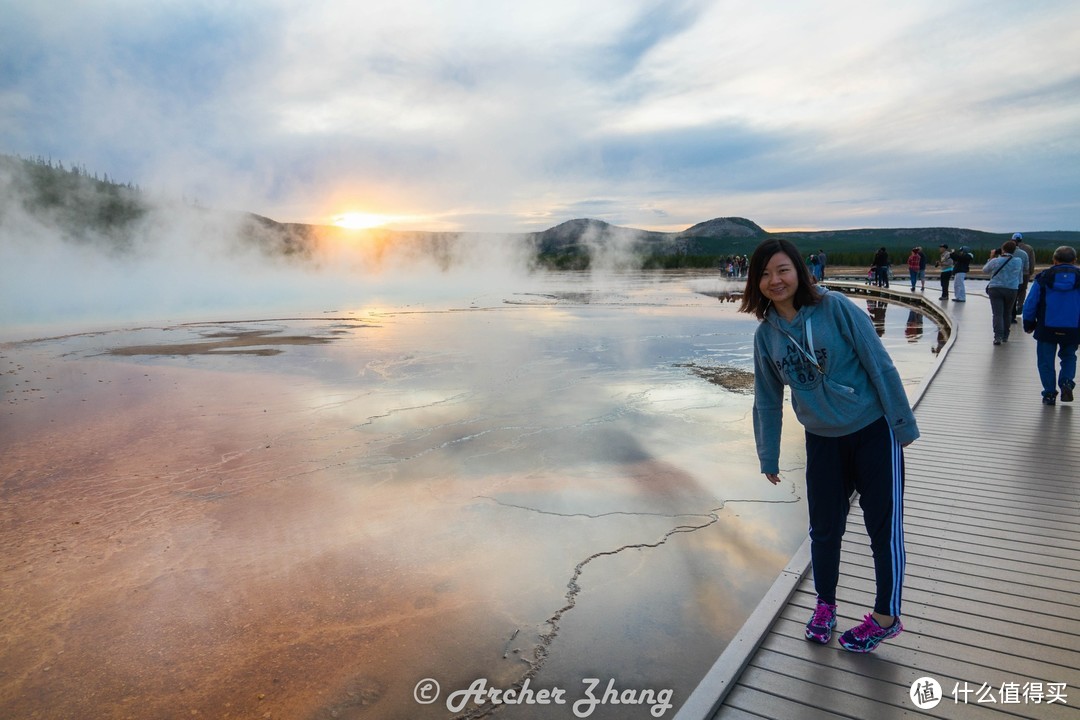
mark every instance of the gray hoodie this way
{"type": "Point", "coordinates": [852, 384]}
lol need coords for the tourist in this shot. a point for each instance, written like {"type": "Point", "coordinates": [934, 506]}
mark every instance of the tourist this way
{"type": "Point", "coordinates": [945, 262]}
{"type": "Point", "coordinates": [848, 395]}
{"type": "Point", "coordinates": [1052, 312]}
{"type": "Point", "coordinates": [923, 262]}
{"type": "Point", "coordinates": [961, 264]}
{"type": "Point", "coordinates": [1029, 272]}
{"type": "Point", "coordinates": [821, 259]}
{"type": "Point", "coordinates": [1005, 270]}
{"type": "Point", "coordinates": [881, 268]}
{"type": "Point", "coordinates": [913, 262]}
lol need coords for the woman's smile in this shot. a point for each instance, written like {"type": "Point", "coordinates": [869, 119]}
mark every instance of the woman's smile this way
{"type": "Point", "coordinates": [779, 281]}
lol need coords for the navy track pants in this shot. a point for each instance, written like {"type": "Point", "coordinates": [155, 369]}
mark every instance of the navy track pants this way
{"type": "Point", "coordinates": [872, 462]}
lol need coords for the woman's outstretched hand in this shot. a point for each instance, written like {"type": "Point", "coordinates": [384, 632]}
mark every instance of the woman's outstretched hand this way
{"type": "Point", "coordinates": [773, 478]}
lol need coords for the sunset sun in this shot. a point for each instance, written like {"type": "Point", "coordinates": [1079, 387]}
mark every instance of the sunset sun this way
{"type": "Point", "coordinates": [360, 220]}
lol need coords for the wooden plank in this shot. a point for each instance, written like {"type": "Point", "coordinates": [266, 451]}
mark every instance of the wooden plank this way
{"type": "Point", "coordinates": [887, 682]}
{"type": "Point", "coordinates": [959, 493]}
{"type": "Point", "coordinates": [922, 556]}
{"type": "Point", "coordinates": [899, 665]}
{"type": "Point", "coordinates": [849, 562]}
{"type": "Point", "coordinates": [1043, 524]}
{"type": "Point", "coordinates": [913, 648]}
{"type": "Point", "coordinates": [1006, 475]}
{"type": "Point", "coordinates": [1043, 543]}
{"type": "Point", "coordinates": [934, 498]}
{"type": "Point", "coordinates": [731, 713]}
{"type": "Point", "coordinates": [1045, 629]}
{"type": "Point", "coordinates": [776, 707]}
{"type": "Point", "coordinates": [919, 605]}
{"type": "Point", "coordinates": [960, 490]}
{"type": "Point", "coordinates": [904, 666]}
{"type": "Point", "coordinates": [1055, 650]}
{"type": "Point", "coordinates": [813, 696]}
{"type": "Point", "coordinates": [943, 528]}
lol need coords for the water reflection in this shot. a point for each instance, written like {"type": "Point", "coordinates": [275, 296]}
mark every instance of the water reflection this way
{"type": "Point", "coordinates": [543, 484]}
{"type": "Point", "coordinates": [877, 309]}
{"type": "Point", "coordinates": [914, 329]}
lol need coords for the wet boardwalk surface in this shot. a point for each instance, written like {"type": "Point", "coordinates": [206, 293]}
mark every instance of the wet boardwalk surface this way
{"type": "Point", "coordinates": [992, 594]}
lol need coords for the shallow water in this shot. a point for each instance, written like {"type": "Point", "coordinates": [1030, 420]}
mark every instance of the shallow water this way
{"type": "Point", "coordinates": [308, 517]}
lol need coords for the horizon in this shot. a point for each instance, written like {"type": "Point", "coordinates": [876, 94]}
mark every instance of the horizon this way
{"type": "Point", "coordinates": [412, 115]}
{"type": "Point", "coordinates": [351, 223]}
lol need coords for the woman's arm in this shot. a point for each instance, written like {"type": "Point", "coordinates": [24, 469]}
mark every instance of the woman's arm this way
{"type": "Point", "coordinates": [768, 412]}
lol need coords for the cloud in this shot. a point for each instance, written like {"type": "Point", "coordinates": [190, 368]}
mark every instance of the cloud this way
{"type": "Point", "coordinates": [502, 113]}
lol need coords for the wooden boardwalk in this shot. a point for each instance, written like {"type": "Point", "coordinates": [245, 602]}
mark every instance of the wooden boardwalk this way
{"type": "Point", "coordinates": [992, 593]}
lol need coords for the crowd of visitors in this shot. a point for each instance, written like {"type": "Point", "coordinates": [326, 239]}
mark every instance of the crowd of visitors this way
{"type": "Point", "coordinates": [734, 266]}
{"type": "Point", "coordinates": [1049, 302]}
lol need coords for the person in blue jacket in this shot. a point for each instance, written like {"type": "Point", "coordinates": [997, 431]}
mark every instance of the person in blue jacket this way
{"type": "Point", "coordinates": [1052, 313]}
{"type": "Point", "coordinates": [847, 394]}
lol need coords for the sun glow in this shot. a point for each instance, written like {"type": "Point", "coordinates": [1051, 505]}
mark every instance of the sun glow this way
{"type": "Point", "coordinates": [361, 220]}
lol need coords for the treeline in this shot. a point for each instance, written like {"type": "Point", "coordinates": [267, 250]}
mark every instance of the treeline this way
{"type": "Point", "coordinates": [84, 206]}
{"type": "Point", "coordinates": [711, 244]}
{"type": "Point", "coordinates": [44, 169]}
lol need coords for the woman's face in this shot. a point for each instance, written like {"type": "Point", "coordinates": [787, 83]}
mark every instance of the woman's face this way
{"type": "Point", "coordinates": [780, 280]}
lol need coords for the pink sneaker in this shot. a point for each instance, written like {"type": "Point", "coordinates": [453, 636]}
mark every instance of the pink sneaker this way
{"type": "Point", "coordinates": [867, 635]}
{"type": "Point", "coordinates": [821, 625]}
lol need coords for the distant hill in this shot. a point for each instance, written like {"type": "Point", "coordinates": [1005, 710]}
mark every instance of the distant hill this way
{"type": "Point", "coordinates": [85, 208]}
{"type": "Point", "coordinates": [730, 227]}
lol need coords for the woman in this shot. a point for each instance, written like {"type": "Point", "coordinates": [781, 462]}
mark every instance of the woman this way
{"type": "Point", "coordinates": [946, 265]}
{"type": "Point", "coordinates": [1005, 270]}
{"type": "Point", "coordinates": [914, 261]}
{"type": "Point", "coordinates": [847, 394]}
{"type": "Point", "coordinates": [961, 265]}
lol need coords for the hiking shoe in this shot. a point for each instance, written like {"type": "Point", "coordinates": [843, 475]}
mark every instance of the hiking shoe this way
{"type": "Point", "coordinates": [1067, 392]}
{"type": "Point", "coordinates": [1051, 398]}
{"type": "Point", "coordinates": [821, 625]}
{"type": "Point", "coordinates": [867, 635]}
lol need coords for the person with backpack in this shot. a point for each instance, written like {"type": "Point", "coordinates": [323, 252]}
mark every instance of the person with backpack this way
{"type": "Point", "coordinates": [1052, 314]}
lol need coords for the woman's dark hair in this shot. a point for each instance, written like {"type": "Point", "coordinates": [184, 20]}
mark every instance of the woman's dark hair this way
{"type": "Point", "coordinates": [753, 301]}
{"type": "Point", "coordinates": [1009, 247]}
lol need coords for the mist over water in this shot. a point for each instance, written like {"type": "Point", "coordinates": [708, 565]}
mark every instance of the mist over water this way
{"type": "Point", "coordinates": [186, 264]}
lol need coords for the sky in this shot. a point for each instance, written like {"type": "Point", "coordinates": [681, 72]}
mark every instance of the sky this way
{"type": "Point", "coordinates": [497, 116]}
